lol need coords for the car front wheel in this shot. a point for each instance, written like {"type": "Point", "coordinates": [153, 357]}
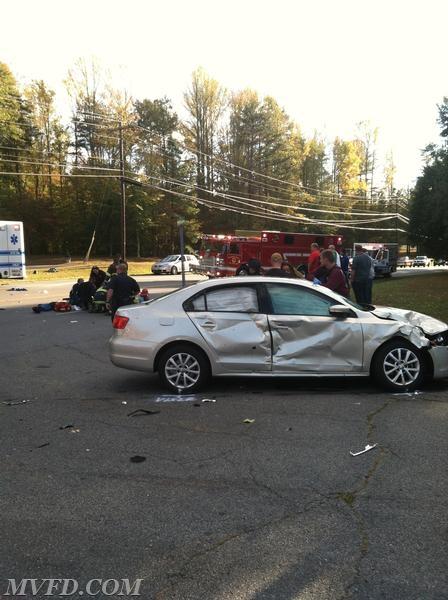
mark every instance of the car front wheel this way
{"type": "Point", "coordinates": [174, 271]}
{"type": "Point", "coordinates": [398, 366]}
{"type": "Point", "coordinates": [183, 369]}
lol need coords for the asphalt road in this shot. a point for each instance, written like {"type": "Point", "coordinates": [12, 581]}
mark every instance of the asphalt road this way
{"type": "Point", "coordinates": [277, 509]}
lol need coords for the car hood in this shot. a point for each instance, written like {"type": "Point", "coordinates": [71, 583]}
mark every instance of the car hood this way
{"type": "Point", "coordinates": [163, 264]}
{"type": "Point", "coordinates": [428, 325]}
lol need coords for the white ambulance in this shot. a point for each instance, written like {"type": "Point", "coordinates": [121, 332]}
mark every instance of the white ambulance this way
{"type": "Point", "coordinates": [12, 250]}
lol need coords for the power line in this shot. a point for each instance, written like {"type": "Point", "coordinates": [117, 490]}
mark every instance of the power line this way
{"type": "Point", "coordinates": [59, 174]}
{"type": "Point", "coordinates": [49, 164]}
{"type": "Point", "coordinates": [223, 207]}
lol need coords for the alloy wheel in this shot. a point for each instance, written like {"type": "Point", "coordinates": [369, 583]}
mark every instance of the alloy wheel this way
{"type": "Point", "coordinates": [182, 370]}
{"type": "Point", "coordinates": [401, 366]}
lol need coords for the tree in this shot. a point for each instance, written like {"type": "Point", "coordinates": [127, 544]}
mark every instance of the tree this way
{"type": "Point", "coordinates": [205, 102]}
{"type": "Point", "coordinates": [159, 156]}
{"type": "Point", "coordinates": [429, 200]}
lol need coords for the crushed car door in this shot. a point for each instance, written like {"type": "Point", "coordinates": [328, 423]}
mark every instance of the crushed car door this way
{"type": "Point", "coordinates": [229, 319]}
{"type": "Point", "coordinates": [305, 338]}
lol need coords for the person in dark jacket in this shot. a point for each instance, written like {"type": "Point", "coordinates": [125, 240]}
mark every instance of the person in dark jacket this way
{"type": "Point", "coordinates": [75, 298]}
{"type": "Point", "coordinates": [122, 289]}
{"type": "Point", "coordinates": [276, 262]}
{"type": "Point", "coordinates": [112, 268]}
{"type": "Point", "coordinates": [335, 279]}
{"type": "Point", "coordinates": [361, 276]}
{"type": "Point", "coordinates": [252, 267]}
{"type": "Point", "coordinates": [291, 271]}
{"type": "Point", "coordinates": [97, 277]}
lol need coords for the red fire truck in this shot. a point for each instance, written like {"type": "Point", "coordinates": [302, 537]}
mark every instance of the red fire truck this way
{"type": "Point", "coordinates": [221, 255]}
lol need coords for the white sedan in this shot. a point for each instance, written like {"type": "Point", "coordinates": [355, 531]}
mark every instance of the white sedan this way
{"type": "Point", "coordinates": [172, 264]}
{"type": "Point", "coordinates": [262, 326]}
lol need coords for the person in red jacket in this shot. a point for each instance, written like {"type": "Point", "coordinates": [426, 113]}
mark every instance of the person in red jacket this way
{"type": "Point", "coordinates": [313, 261]}
{"type": "Point", "coordinates": [335, 279]}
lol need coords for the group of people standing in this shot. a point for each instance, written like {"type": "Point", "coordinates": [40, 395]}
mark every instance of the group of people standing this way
{"type": "Point", "coordinates": [332, 269]}
{"type": "Point", "coordinates": [328, 268]}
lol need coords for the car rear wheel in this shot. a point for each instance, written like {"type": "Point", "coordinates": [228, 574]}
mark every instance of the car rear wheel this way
{"type": "Point", "coordinates": [174, 271]}
{"type": "Point", "coordinates": [183, 369]}
{"type": "Point", "coordinates": [398, 366]}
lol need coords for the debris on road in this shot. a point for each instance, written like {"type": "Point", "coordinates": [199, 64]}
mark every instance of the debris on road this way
{"type": "Point", "coordinates": [416, 393]}
{"type": "Point", "coordinates": [208, 400]}
{"type": "Point", "coordinates": [179, 398]}
{"type": "Point", "coordinates": [73, 321]}
{"type": "Point", "coordinates": [137, 459]}
{"type": "Point", "coordinates": [14, 289]}
{"type": "Point", "coordinates": [52, 270]}
{"type": "Point", "coordinates": [141, 412]}
{"type": "Point", "coordinates": [43, 445]}
{"type": "Point", "coordinates": [69, 427]}
{"type": "Point", "coordinates": [12, 403]}
{"type": "Point", "coordinates": [124, 402]}
{"type": "Point", "coordinates": [366, 449]}
{"type": "Point", "coordinates": [249, 421]}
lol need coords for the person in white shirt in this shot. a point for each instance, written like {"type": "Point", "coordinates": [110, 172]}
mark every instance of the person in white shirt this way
{"type": "Point", "coordinates": [337, 258]}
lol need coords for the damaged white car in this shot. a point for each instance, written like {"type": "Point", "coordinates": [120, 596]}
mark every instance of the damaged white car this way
{"type": "Point", "coordinates": [264, 326]}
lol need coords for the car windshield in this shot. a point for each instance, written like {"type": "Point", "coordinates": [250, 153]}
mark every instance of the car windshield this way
{"type": "Point", "coordinates": [171, 258]}
{"type": "Point", "coordinates": [421, 257]}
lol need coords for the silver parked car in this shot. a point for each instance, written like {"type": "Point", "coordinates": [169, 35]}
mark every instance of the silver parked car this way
{"type": "Point", "coordinates": [275, 327]}
{"type": "Point", "coordinates": [172, 264]}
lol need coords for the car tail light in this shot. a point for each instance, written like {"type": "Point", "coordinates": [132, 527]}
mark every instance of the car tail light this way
{"type": "Point", "coordinates": [120, 322]}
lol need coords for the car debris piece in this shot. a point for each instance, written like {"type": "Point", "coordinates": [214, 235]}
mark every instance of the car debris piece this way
{"type": "Point", "coordinates": [366, 449]}
{"type": "Point", "coordinates": [43, 445]}
{"type": "Point", "coordinates": [67, 427]}
{"type": "Point", "coordinates": [141, 412]}
{"type": "Point", "coordinates": [415, 393]}
{"type": "Point", "coordinates": [123, 402]}
{"type": "Point", "coordinates": [208, 400]}
{"type": "Point", "coordinates": [12, 403]}
{"type": "Point", "coordinates": [137, 459]}
{"type": "Point", "coordinates": [14, 289]}
{"type": "Point", "coordinates": [249, 421]}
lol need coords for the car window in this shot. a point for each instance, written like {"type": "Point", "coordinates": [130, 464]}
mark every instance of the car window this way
{"type": "Point", "coordinates": [232, 299]}
{"type": "Point", "coordinates": [197, 303]}
{"type": "Point", "coordinates": [295, 300]}
{"type": "Point", "coordinates": [225, 299]}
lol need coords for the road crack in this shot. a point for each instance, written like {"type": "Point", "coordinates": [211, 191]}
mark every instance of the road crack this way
{"type": "Point", "coordinates": [351, 497]}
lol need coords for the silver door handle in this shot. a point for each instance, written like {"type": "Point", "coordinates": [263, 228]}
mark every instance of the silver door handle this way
{"type": "Point", "coordinates": [208, 325]}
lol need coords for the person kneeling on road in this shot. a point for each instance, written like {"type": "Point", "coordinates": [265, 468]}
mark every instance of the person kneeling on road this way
{"type": "Point", "coordinates": [122, 289]}
{"type": "Point", "coordinates": [335, 279]}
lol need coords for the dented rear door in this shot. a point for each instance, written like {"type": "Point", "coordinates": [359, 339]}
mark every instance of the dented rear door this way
{"type": "Point", "coordinates": [305, 338]}
{"type": "Point", "coordinates": [236, 331]}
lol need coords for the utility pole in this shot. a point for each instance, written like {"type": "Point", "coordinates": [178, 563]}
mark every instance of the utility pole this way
{"type": "Point", "coordinates": [180, 223]}
{"type": "Point", "coordinates": [123, 193]}
{"type": "Point", "coordinates": [396, 224]}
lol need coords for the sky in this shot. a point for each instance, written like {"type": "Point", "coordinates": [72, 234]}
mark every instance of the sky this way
{"type": "Point", "coordinates": [329, 63]}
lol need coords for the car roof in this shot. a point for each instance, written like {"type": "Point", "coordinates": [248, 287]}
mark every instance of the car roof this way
{"type": "Point", "coordinates": [260, 279]}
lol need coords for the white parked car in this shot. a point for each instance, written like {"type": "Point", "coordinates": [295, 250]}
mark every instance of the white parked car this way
{"type": "Point", "coordinates": [172, 264]}
{"type": "Point", "coordinates": [267, 326]}
{"type": "Point", "coordinates": [423, 261]}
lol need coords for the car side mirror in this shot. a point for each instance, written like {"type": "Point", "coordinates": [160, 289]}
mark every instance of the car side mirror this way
{"type": "Point", "coordinates": [341, 311]}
